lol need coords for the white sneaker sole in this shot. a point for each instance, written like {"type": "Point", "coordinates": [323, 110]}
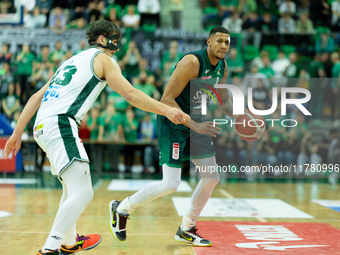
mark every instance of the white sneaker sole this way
{"type": "Point", "coordinates": [182, 240]}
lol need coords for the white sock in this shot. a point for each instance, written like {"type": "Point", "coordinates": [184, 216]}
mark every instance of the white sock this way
{"type": "Point", "coordinates": [125, 206]}
{"type": "Point", "coordinates": [187, 223]}
{"type": "Point", "coordinates": [53, 241]}
{"type": "Point", "coordinates": [70, 237]}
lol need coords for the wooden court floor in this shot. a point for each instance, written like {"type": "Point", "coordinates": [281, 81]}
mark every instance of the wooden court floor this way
{"type": "Point", "coordinates": [151, 228]}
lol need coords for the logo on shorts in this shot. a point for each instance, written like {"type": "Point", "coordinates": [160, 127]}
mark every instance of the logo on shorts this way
{"type": "Point", "coordinates": [39, 133]}
{"type": "Point", "coordinates": [36, 128]}
{"type": "Point", "coordinates": [175, 151]}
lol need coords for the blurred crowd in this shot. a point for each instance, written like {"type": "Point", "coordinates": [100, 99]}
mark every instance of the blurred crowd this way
{"type": "Point", "coordinates": [284, 43]}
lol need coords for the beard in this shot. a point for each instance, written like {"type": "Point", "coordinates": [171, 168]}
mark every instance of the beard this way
{"type": "Point", "coordinates": [219, 58]}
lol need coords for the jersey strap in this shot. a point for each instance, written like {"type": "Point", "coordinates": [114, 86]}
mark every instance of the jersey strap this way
{"type": "Point", "coordinates": [200, 61]}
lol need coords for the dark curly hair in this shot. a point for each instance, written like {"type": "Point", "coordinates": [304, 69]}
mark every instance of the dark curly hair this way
{"type": "Point", "coordinates": [101, 27]}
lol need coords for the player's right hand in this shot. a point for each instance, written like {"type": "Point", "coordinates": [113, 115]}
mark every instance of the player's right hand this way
{"type": "Point", "coordinates": [207, 128]}
{"type": "Point", "coordinates": [13, 144]}
{"type": "Point", "coordinates": [177, 116]}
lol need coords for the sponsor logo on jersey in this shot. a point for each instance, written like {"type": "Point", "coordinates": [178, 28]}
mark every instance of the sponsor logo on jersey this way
{"type": "Point", "coordinates": [175, 151]}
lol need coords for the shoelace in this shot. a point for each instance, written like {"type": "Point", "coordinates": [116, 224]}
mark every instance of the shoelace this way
{"type": "Point", "coordinates": [82, 238]}
{"type": "Point", "coordinates": [194, 232]}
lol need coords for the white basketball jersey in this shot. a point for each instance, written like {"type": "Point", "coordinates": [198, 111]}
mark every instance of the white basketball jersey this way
{"type": "Point", "coordinates": [73, 88]}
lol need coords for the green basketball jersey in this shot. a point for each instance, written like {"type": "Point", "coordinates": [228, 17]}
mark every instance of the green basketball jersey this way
{"type": "Point", "coordinates": [190, 98]}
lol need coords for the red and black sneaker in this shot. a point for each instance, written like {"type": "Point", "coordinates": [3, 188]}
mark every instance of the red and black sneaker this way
{"type": "Point", "coordinates": [117, 221]}
{"type": "Point", "coordinates": [83, 243]}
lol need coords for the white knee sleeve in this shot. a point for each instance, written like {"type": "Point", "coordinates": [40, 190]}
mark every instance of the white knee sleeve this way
{"type": "Point", "coordinates": [77, 178]}
{"type": "Point", "coordinates": [202, 192]}
{"type": "Point", "coordinates": [77, 194]}
{"type": "Point", "coordinates": [169, 184]}
{"type": "Point", "coordinates": [171, 179]}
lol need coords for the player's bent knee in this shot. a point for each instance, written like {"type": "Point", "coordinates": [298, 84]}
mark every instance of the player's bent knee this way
{"type": "Point", "coordinates": [83, 198]}
{"type": "Point", "coordinates": [171, 187]}
{"type": "Point", "coordinates": [211, 181]}
{"type": "Point", "coordinates": [89, 195]}
{"type": "Point", "coordinates": [214, 181]}
{"type": "Point", "coordinates": [84, 194]}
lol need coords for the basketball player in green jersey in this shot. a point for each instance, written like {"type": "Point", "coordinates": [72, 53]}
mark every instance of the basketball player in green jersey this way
{"type": "Point", "coordinates": [175, 141]}
{"type": "Point", "coordinates": [62, 104]}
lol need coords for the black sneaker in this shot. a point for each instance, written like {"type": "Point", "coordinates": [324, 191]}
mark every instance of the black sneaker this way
{"type": "Point", "coordinates": [117, 221]}
{"type": "Point", "coordinates": [49, 252]}
{"type": "Point", "coordinates": [191, 236]}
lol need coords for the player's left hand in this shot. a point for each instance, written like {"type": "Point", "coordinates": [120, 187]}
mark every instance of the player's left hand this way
{"type": "Point", "coordinates": [207, 128]}
{"type": "Point", "coordinates": [13, 144]}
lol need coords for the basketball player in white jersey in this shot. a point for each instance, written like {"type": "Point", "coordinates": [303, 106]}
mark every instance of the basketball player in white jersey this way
{"type": "Point", "coordinates": [62, 104]}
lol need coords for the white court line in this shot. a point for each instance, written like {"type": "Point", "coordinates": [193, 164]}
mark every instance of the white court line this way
{"type": "Point", "coordinates": [225, 193]}
{"type": "Point", "coordinates": [228, 195]}
{"type": "Point", "coordinates": [17, 181]}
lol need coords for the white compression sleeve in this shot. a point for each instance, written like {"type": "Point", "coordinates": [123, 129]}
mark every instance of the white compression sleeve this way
{"type": "Point", "coordinates": [70, 237]}
{"type": "Point", "coordinates": [77, 180]}
{"type": "Point", "coordinates": [202, 192]}
{"type": "Point", "coordinates": [169, 184]}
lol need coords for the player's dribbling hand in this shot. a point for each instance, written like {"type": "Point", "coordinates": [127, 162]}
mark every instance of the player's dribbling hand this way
{"type": "Point", "coordinates": [177, 116]}
{"type": "Point", "coordinates": [13, 144]}
{"type": "Point", "coordinates": [207, 128]}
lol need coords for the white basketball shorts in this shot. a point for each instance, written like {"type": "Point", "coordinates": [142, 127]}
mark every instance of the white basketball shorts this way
{"type": "Point", "coordinates": [58, 137]}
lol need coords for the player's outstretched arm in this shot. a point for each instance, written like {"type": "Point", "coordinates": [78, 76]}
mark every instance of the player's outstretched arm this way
{"type": "Point", "coordinates": [13, 144]}
{"type": "Point", "coordinates": [106, 68]}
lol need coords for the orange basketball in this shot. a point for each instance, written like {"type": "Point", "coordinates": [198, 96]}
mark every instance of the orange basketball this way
{"type": "Point", "coordinates": [249, 126]}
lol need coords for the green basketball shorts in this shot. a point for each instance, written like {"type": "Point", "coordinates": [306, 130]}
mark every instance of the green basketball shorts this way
{"type": "Point", "coordinates": [177, 143]}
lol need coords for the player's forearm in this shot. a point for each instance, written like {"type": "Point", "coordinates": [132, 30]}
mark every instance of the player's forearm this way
{"type": "Point", "coordinates": [142, 101]}
{"type": "Point", "coordinates": [29, 110]}
{"type": "Point", "coordinates": [172, 102]}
